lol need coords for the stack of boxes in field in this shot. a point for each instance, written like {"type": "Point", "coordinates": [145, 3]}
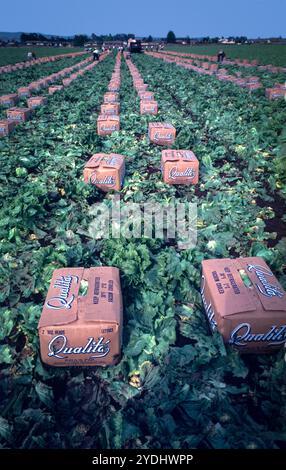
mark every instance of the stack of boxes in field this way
{"type": "Point", "coordinates": [207, 68]}
{"type": "Point", "coordinates": [42, 60]}
{"type": "Point", "coordinates": [19, 115]}
{"type": "Point", "coordinates": [148, 104]}
{"type": "Point", "coordinates": [108, 120]}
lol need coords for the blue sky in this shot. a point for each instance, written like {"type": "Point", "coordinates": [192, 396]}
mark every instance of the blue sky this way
{"type": "Point", "coordinates": [156, 17]}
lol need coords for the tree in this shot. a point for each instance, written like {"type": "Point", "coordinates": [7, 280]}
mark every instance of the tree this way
{"type": "Point", "coordinates": [188, 40]}
{"type": "Point", "coordinates": [79, 40]}
{"type": "Point", "coordinates": [32, 37]}
{"type": "Point", "coordinates": [149, 39]}
{"type": "Point", "coordinates": [171, 38]}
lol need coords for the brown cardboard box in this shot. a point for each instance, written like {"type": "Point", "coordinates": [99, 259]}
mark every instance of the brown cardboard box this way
{"type": "Point", "coordinates": [18, 114]}
{"type": "Point", "coordinates": [275, 93]}
{"type": "Point", "coordinates": [253, 86]}
{"type": "Point", "coordinates": [84, 330]}
{"type": "Point", "coordinates": [9, 100]}
{"type": "Point", "coordinates": [148, 107]}
{"type": "Point", "coordinates": [106, 171]}
{"type": "Point", "coordinates": [6, 127]}
{"type": "Point", "coordinates": [36, 101]}
{"type": "Point", "coordinates": [35, 86]}
{"type": "Point", "coordinates": [110, 97]}
{"type": "Point", "coordinates": [162, 133]}
{"type": "Point", "coordinates": [53, 89]}
{"type": "Point", "coordinates": [253, 79]}
{"type": "Point", "coordinates": [142, 87]}
{"type": "Point", "coordinates": [114, 85]}
{"type": "Point", "coordinates": [107, 124]}
{"type": "Point", "coordinates": [180, 167]}
{"type": "Point", "coordinates": [24, 91]}
{"type": "Point", "coordinates": [67, 81]}
{"type": "Point", "coordinates": [146, 95]}
{"type": "Point", "coordinates": [109, 109]}
{"type": "Point", "coordinates": [252, 319]}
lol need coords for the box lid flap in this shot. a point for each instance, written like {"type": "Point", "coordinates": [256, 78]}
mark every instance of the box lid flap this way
{"type": "Point", "coordinates": [103, 301]}
{"type": "Point", "coordinates": [178, 155]}
{"type": "Point", "coordinates": [263, 291]}
{"type": "Point", "coordinates": [103, 160]}
{"type": "Point", "coordinates": [229, 294]}
{"type": "Point", "coordinates": [61, 304]}
{"type": "Point", "coordinates": [267, 288]}
{"type": "Point", "coordinates": [104, 117]}
{"type": "Point", "coordinates": [160, 125]}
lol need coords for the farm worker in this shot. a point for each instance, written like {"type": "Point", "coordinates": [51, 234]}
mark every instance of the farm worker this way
{"type": "Point", "coordinates": [95, 54]}
{"type": "Point", "coordinates": [30, 56]}
{"type": "Point", "coordinates": [220, 56]}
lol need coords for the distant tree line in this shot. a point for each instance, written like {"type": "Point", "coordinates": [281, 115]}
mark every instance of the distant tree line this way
{"type": "Point", "coordinates": [29, 37]}
{"type": "Point", "coordinates": [172, 39]}
{"type": "Point", "coordinates": [80, 39]}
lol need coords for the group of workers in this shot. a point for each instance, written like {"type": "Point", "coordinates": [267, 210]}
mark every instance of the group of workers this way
{"type": "Point", "coordinates": [96, 54]}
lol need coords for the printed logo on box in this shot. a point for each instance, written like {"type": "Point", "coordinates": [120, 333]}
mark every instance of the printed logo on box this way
{"type": "Point", "coordinates": [269, 290]}
{"type": "Point", "coordinates": [57, 347]}
{"type": "Point", "coordinates": [63, 283]}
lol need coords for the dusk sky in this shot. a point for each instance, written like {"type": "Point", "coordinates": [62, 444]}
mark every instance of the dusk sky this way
{"type": "Point", "coordinates": [195, 18]}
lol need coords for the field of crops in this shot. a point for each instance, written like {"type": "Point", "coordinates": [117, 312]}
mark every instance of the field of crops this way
{"type": "Point", "coordinates": [265, 54]}
{"type": "Point", "coordinates": [176, 386]}
{"type": "Point", "coordinates": [11, 55]}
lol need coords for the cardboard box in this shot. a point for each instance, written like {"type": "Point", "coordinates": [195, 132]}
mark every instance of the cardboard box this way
{"type": "Point", "coordinates": [253, 86]}
{"type": "Point", "coordinates": [106, 171]}
{"type": "Point", "coordinates": [18, 114]}
{"type": "Point", "coordinates": [162, 133]}
{"type": "Point", "coordinates": [6, 127]}
{"type": "Point", "coordinates": [35, 86]}
{"type": "Point", "coordinates": [77, 330]}
{"type": "Point", "coordinates": [53, 89]}
{"type": "Point", "coordinates": [148, 107]}
{"type": "Point", "coordinates": [250, 314]}
{"type": "Point", "coordinates": [107, 124]}
{"type": "Point", "coordinates": [280, 85]}
{"type": "Point", "coordinates": [114, 85]}
{"type": "Point", "coordinates": [110, 98]}
{"type": "Point", "coordinates": [141, 87]}
{"type": "Point", "coordinates": [146, 96]}
{"type": "Point", "coordinates": [67, 81]}
{"type": "Point", "coordinates": [36, 101]}
{"type": "Point", "coordinates": [110, 109]}
{"type": "Point", "coordinates": [24, 92]}
{"type": "Point", "coordinates": [179, 167]}
{"type": "Point", "coordinates": [253, 79]}
{"type": "Point", "coordinates": [275, 93]}
{"type": "Point", "coordinates": [44, 82]}
{"type": "Point", "coordinates": [9, 100]}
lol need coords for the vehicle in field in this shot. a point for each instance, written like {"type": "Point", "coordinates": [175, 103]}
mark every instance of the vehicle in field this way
{"type": "Point", "coordinates": [134, 45]}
